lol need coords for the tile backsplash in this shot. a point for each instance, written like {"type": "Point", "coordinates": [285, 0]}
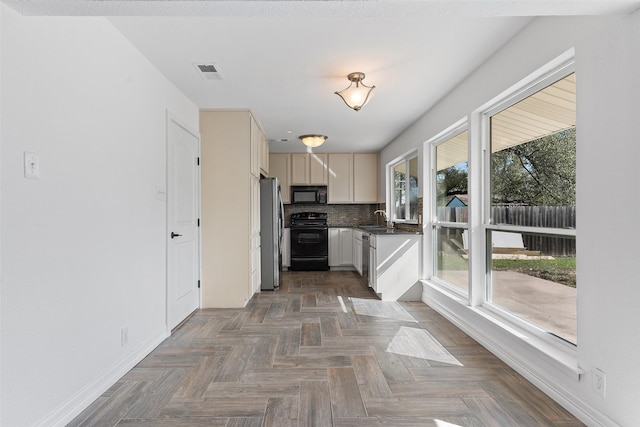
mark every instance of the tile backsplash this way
{"type": "Point", "coordinates": [350, 215]}
{"type": "Point", "coordinates": [337, 215]}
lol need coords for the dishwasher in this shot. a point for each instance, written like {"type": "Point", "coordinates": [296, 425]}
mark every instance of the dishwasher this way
{"type": "Point", "coordinates": [365, 257]}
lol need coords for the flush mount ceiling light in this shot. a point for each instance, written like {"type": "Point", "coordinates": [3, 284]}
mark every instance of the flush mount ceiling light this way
{"type": "Point", "coordinates": [356, 95]}
{"type": "Point", "coordinates": [313, 140]}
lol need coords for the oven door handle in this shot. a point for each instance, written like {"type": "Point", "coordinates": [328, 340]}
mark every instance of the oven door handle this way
{"type": "Point", "coordinates": [306, 239]}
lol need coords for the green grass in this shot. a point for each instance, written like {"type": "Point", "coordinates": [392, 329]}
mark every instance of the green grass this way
{"type": "Point", "coordinates": [560, 270]}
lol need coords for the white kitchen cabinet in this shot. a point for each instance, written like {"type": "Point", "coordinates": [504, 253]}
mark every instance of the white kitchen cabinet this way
{"type": "Point", "coordinates": [340, 187]}
{"type": "Point", "coordinates": [230, 225]}
{"type": "Point", "coordinates": [353, 178]}
{"type": "Point", "coordinates": [340, 247]}
{"type": "Point", "coordinates": [280, 167]}
{"type": "Point", "coordinates": [357, 250]}
{"type": "Point", "coordinates": [394, 263]}
{"type": "Point", "coordinates": [264, 155]}
{"type": "Point", "coordinates": [365, 178]}
{"type": "Point", "coordinates": [286, 248]}
{"type": "Point", "coordinates": [318, 174]}
{"type": "Point", "coordinates": [255, 235]}
{"type": "Point", "coordinates": [308, 169]}
{"type": "Point", "coordinates": [256, 271]}
{"type": "Point", "coordinates": [373, 269]}
{"type": "Point", "coordinates": [299, 168]}
{"type": "Point", "coordinates": [350, 178]}
{"type": "Point", "coordinates": [373, 263]}
{"type": "Point", "coordinates": [256, 141]}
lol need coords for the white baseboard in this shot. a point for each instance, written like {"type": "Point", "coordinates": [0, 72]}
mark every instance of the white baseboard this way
{"type": "Point", "coordinates": [87, 395]}
{"type": "Point", "coordinates": [577, 406]}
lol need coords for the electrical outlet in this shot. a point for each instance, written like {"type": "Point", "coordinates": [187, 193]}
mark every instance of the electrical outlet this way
{"type": "Point", "coordinates": [598, 381]}
{"type": "Point", "coordinates": [124, 336]}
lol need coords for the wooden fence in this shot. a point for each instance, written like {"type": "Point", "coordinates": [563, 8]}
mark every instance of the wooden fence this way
{"type": "Point", "coordinates": [563, 217]}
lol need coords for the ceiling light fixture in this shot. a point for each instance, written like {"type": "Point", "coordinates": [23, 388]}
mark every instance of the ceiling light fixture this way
{"type": "Point", "coordinates": [356, 95]}
{"type": "Point", "coordinates": [313, 140]}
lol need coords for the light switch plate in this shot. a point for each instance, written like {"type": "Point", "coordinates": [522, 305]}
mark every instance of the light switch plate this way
{"type": "Point", "coordinates": [31, 165]}
{"type": "Point", "coordinates": [161, 193]}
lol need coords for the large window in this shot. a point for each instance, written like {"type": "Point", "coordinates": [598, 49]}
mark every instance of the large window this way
{"type": "Point", "coordinates": [450, 218]}
{"type": "Point", "coordinates": [503, 207]}
{"type": "Point", "coordinates": [530, 220]}
{"type": "Point", "coordinates": [404, 189]}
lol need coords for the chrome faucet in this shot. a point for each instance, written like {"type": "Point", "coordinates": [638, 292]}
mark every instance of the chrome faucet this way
{"type": "Point", "coordinates": [386, 218]}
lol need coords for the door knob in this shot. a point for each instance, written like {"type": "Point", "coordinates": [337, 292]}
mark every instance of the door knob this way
{"type": "Point", "coordinates": [175, 235]}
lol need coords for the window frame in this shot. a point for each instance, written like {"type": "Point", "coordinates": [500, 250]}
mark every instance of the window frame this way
{"type": "Point", "coordinates": [536, 83]}
{"type": "Point", "coordinates": [391, 212]}
{"type": "Point", "coordinates": [449, 133]}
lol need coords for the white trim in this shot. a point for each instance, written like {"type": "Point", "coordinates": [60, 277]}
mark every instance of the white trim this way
{"type": "Point", "coordinates": [571, 232]}
{"type": "Point", "coordinates": [172, 117]}
{"type": "Point", "coordinates": [88, 394]}
{"type": "Point", "coordinates": [446, 224]}
{"type": "Point", "coordinates": [548, 74]}
{"type": "Point", "coordinates": [528, 357]}
{"type": "Point", "coordinates": [453, 130]}
{"type": "Point", "coordinates": [406, 158]}
{"type": "Point", "coordinates": [431, 145]}
{"type": "Point", "coordinates": [479, 249]}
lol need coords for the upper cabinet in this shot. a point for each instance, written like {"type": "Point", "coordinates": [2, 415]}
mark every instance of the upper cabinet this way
{"type": "Point", "coordinates": [254, 131]}
{"type": "Point", "coordinates": [353, 178]}
{"type": "Point", "coordinates": [308, 169]}
{"type": "Point", "coordinates": [340, 189]}
{"type": "Point", "coordinates": [280, 167]}
{"type": "Point", "coordinates": [259, 151]}
{"type": "Point", "coordinates": [264, 156]}
{"type": "Point", "coordinates": [365, 178]}
{"type": "Point", "coordinates": [350, 178]}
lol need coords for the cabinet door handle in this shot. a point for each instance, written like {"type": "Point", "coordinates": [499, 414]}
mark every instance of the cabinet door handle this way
{"type": "Point", "coordinates": [175, 235]}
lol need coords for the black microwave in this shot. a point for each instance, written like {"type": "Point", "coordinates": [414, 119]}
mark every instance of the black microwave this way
{"type": "Point", "coordinates": [309, 195]}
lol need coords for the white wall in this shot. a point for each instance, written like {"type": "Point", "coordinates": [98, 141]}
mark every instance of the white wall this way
{"type": "Point", "coordinates": [608, 111]}
{"type": "Point", "coordinates": [83, 247]}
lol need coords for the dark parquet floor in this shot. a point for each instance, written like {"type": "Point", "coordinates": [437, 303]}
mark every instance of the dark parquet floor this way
{"type": "Point", "coordinates": [308, 355]}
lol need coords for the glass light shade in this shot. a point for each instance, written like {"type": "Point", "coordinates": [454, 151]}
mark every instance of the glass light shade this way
{"type": "Point", "coordinates": [357, 94]}
{"type": "Point", "coordinates": [313, 140]}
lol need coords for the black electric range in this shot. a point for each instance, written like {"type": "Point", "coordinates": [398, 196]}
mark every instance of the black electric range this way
{"type": "Point", "coordinates": [309, 241]}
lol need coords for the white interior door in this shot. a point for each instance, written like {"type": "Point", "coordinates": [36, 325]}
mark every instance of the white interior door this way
{"type": "Point", "coordinates": [183, 237]}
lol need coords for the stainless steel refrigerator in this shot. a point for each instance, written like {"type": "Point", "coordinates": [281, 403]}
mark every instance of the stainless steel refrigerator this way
{"type": "Point", "coordinates": [271, 231]}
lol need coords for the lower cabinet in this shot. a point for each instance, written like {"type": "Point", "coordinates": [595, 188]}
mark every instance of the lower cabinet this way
{"type": "Point", "coordinates": [340, 247]}
{"type": "Point", "coordinates": [394, 264]}
{"type": "Point", "coordinates": [254, 262]}
{"type": "Point", "coordinates": [373, 265]}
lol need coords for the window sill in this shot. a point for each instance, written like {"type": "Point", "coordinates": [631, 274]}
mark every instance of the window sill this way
{"type": "Point", "coordinates": [562, 355]}
{"type": "Point", "coordinates": [515, 345]}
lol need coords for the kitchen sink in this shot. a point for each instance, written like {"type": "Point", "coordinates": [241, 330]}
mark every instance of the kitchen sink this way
{"type": "Point", "coordinates": [373, 227]}
{"type": "Point", "coordinates": [377, 229]}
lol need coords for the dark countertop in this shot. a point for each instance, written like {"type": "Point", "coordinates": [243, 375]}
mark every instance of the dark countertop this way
{"type": "Point", "coordinates": [377, 230]}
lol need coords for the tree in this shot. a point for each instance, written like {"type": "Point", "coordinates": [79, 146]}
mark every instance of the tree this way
{"type": "Point", "coordinates": [450, 181]}
{"type": "Point", "coordinates": [537, 173]}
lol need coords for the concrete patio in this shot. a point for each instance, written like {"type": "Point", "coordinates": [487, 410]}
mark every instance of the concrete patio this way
{"type": "Point", "coordinates": [549, 305]}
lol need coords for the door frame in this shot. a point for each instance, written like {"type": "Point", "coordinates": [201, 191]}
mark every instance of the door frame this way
{"type": "Point", "coordinates": [172, 117]}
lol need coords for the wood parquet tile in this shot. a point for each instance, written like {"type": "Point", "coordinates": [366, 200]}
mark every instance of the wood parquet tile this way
{"type": "Point", "coordinates": [317, 352]}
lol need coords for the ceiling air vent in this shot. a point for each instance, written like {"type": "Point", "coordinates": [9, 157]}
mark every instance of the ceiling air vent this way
{"type": "Point", "coordinates": [208, 71]}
